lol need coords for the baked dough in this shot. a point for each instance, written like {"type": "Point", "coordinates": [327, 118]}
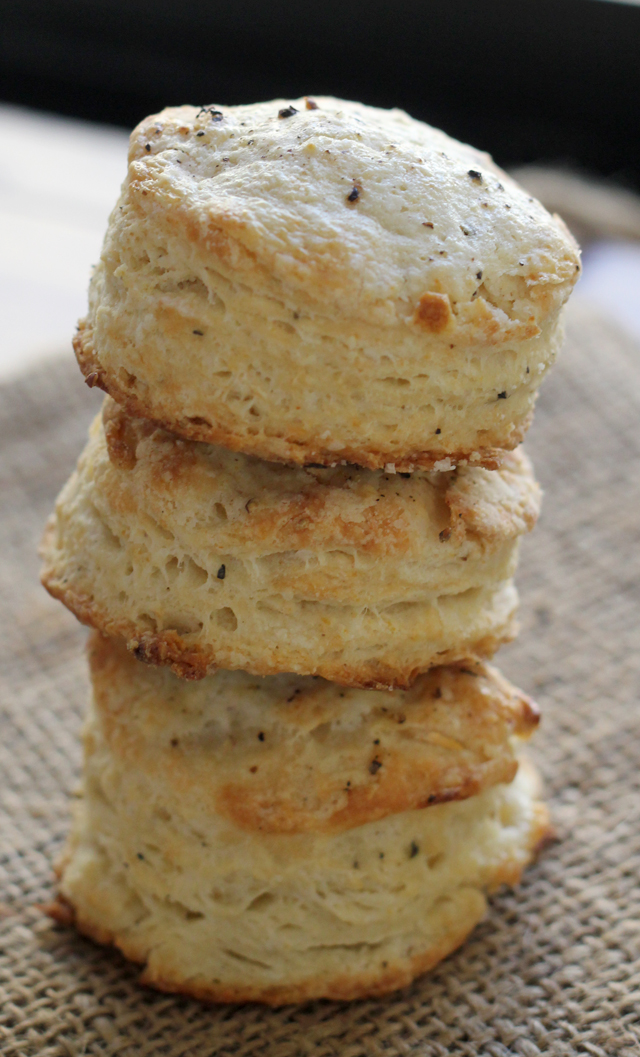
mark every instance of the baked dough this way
{"type": "Point", "coordinates": [296, 754]}
{"type": "Point", "coordinates": [203, 558]}
{"type": "Point", "coordinates": [325, 284]}
{"type": "Point", "coordinates": [328, 904]}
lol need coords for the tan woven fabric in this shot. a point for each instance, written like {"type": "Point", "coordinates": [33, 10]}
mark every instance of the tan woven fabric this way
{"type": "Point", "coordinates": [555, 969]}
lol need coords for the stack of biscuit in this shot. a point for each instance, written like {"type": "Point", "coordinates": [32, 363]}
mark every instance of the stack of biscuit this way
{"type": "Point", "coordinates": [321, 328]}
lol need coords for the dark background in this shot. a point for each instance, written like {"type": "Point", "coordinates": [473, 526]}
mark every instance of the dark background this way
{"type": "Point", "coordinates": [544, 80]}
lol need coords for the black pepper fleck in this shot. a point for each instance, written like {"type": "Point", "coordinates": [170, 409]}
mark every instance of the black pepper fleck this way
{"type": "Point", "coordinates": [174, 742]}
{"type": "Point", "coordinates": [475, 175]}
{"type": "Point", "coordinates": [215, 115]}
{"type": "Point", "coordinates": [479, 274]}
{"type": "Point", "coordinates": [287, 111]}
{"type": "Point", "coordinates": [140, 856]}
{"type": "Point", "coordinates": [199, 133]}
{"type": "Point", "coordinates": [200, 333]}
{"type": "Point", "coordinates": [445, 535]}
{"type": "Point", "coordinates": [413, 850]}
{"type": "Point", "coordinates": [354, 194]}
{"type": "Point", "coordinates": [502, 395]}
{"type": "Point", "coordinates": [438, 430]}
{"type": "Point", "coordinates": [222, 572]}
{"type": "Point", "coordinates": [375, 765]}
{"type": "Point", "coordinates": [147, 146]}
{"type": "Point", "coordinates": [261, 736]}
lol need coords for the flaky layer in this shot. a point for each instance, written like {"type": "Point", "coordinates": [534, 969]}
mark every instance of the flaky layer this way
{"type": "Point", "coordinates": [199, 558]}
{"type": "Point", "coordinates": [341, 284]}
{"type": "Point", "coordinates": [224, 914]}
{"type": "Point", "coordinates": [291, 754]}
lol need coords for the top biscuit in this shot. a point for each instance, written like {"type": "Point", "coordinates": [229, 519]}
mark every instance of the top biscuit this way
{"type": "Point", "coordinates": [322, 281]}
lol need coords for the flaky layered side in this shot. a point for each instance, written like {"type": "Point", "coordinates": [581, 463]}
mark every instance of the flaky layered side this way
{"type": "Point", "coordinates": [325, 283]}
{"type": "Point", "coordinates": [307, 899]}
{"type": "Point", "coordinates": [202, 558]}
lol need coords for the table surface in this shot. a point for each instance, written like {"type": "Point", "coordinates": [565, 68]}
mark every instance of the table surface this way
{"type": "Point", "coordinates": [59, 179]}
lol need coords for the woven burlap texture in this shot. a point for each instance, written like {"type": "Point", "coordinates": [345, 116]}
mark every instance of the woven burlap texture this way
{"type": "Point", "coordinates": [555, 968]}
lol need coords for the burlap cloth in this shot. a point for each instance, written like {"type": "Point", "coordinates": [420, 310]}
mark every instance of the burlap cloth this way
{"type": "Point", "coordinates": [555, 968]}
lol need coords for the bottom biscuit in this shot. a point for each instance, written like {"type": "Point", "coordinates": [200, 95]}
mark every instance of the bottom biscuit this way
{"type": "Point", "coordinates": [233, 916]}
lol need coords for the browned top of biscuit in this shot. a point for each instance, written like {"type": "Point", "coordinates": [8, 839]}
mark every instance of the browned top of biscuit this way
{"type": "Point", "coordinates": [292, 754]}
{"type": "Point", "coordinates": [261, 505]}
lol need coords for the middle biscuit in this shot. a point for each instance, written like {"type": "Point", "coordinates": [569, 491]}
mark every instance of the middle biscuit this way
{"type": "Point", "coordinates": [203, 558]}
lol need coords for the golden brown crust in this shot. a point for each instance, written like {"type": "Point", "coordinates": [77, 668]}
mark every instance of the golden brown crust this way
{"type": "Point", "coordinates": [60, 910]}
{"type": "Point", "coordinates": [295, 511]}
{"type": "Point", "coordinates": [166, 649]}
{"type": "Point", "coordinates": [122, 434]}
{"type": "Point", "coordinates": [277, 449]}
{"type": "Point", "coordinates": [434, 312]}
{"type": "Point", "coordinates": [397, 790]}
{"type": "Point", "coordinates": [302, 756]}
{"type": "Point", "coordinates": [396, 779]}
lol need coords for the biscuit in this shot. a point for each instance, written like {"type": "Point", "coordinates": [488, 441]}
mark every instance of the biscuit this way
{"type": "Point", "coordinates": [325, 284]}
{"type": "Point", "coordinates": [230, 907]}
{"type": "Point", "coordinates": [203, 558]}
{"type": "Point", "coordinates": [293, 754]}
